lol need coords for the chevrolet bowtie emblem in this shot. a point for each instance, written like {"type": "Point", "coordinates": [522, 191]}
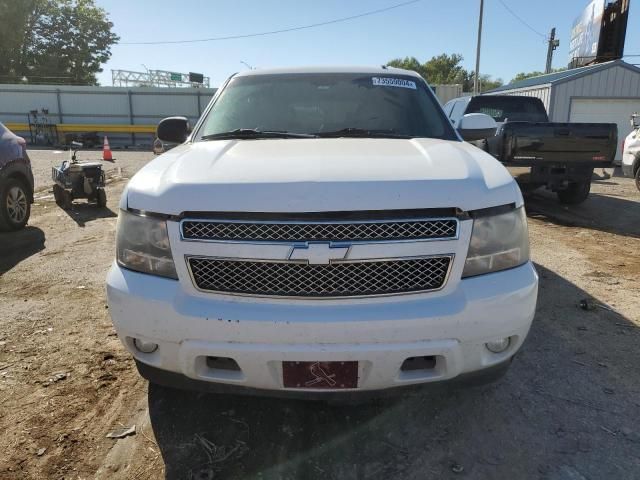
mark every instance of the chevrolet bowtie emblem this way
{"type": "Point", "coordinates": [318, 253]}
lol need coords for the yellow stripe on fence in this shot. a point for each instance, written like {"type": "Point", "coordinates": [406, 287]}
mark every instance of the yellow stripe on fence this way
{"type": "Point", "coordinates": [81, 127]}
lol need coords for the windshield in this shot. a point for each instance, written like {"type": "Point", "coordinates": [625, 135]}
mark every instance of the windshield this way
{"type": "Point", "coordinates": [317, 104]}
{"type": "Point", "coordinates": [513, 109]}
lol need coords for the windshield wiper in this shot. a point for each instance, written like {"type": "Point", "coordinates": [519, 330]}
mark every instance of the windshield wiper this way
{"type": "Point", "coordinates": [361, 132]}
{"type": "Point", "coordinates": [249, 133]}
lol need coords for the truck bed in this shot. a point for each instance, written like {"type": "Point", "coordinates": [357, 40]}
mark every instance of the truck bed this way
{"type": "Point", "coordinates": [546, 143]}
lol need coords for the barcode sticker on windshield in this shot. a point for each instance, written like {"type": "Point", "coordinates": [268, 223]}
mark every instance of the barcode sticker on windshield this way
{"type": "Point", "coordinates": [393, 82]}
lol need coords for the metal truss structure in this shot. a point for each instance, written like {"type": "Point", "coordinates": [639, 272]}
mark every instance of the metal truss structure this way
{"type": "Point", "coordinates": [157, 78]}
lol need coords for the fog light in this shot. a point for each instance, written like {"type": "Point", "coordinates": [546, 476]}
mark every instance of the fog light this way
{"type": "Point", "coordinates": [498, 346]}
{"type": "Point", "coordinates": [144, 346]}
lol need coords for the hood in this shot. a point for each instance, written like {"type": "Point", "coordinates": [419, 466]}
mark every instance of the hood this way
{"type": "Point", "coordinates": [320, 175]}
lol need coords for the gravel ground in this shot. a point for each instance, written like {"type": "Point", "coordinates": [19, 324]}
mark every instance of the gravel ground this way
{"type": "Point", "coordinates": [567, 409]}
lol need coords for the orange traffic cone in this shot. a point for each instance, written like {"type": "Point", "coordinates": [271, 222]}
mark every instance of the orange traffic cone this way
{"type": "Point", "coordinates": [106, 151]}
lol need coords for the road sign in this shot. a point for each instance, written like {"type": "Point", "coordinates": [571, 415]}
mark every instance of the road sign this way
{"type": "Point", "coordinates": [196, 77]}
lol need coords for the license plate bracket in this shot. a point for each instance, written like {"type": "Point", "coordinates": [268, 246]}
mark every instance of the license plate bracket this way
{"type": "Point", "coordinates": [320, 375]}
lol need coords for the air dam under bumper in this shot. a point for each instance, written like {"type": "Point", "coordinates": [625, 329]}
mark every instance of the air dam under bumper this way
{"type": "Point", "coordinates": [379, 333]}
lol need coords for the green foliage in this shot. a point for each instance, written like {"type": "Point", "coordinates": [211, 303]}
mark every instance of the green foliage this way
{"type": "Point", "coordinates": [487, 83]}
{"type": "Point", "coordinates": [445, 69]}
{"type": "Point", "coordinates": [524, 75]}
{"type": "Point", "coordinates": [53, 41]}
{"type": "Point", "coordinates": [408, 63]}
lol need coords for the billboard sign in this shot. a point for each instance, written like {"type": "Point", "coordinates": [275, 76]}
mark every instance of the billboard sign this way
{"type": "Point", "coordinates": [585, 34]}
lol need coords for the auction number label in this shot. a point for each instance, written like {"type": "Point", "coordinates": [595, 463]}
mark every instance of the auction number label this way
{"type": "Point", "coordinates": [393, 82]}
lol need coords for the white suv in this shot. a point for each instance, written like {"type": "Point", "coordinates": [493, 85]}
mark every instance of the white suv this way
{"type": "Point", "coordinates": [322, 231]}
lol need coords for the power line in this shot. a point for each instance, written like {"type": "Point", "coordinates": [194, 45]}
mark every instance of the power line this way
{"type": "Point", "coordinates": [521, 20]}
{"type": "Point", "coordinates": [273, 32]}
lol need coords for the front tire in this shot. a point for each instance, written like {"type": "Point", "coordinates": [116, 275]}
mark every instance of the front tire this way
{"type": "Point", "coordinates": [575, 193]}
{"type": "Point", "coordinates": [15, 205]}
{"type": "Point", "coordinates": [638, 178]}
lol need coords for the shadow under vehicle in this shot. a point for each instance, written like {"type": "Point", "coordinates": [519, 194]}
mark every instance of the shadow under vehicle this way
{"type": "Point", "coordinates": [18, 246]}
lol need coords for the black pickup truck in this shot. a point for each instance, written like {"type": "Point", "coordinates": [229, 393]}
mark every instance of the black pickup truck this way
{"type": "Point", "coordinates": [558, 156]}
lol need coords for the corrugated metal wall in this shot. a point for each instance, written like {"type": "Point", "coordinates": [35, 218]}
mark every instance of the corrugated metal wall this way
{"type": "Point", "coordinates": [102, 105]}
{"type": "Point", "coordinates": [613, 82]}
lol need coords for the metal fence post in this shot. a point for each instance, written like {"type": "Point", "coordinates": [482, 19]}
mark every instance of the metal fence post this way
{"type": "Point", "coordinates": [59, 105]}
{"type": "Point", "coordinates": [133, 135]}
{"type": "Point", "coordinates": [60, 119]}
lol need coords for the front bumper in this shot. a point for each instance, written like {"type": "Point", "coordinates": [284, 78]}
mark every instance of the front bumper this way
{"type": "Point", "coordinates": [182, 382]}
{"type": "Point", "coordinates": [379, 333]}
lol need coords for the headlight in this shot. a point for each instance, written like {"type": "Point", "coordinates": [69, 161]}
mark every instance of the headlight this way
{"type": "Point", "coordinates": [142, 244]}
{"type": "Point", "coordinates": [498, 242]}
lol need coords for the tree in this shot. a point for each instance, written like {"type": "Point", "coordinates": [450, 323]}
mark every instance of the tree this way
{"type": "Point", "coordinates": [13, 22]}
{"type": "Point", "coordinates": [442, 69]}
{"type": "Point", "coordinates": [409, 63]}
{"type": "Point", "coordinates": [487, 83]}
{"type": "Point", "coordinates": [53, 41]}
{"type": "Point", "coordinates": [524, 76]}
{"type": "Point", "coordinates": [445, 69]}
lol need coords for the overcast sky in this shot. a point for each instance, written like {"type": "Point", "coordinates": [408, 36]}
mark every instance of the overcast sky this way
{"type": "Point", "coordinates": [421, 29]}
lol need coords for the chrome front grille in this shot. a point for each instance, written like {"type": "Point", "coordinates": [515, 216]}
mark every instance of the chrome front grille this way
{"type": "Point", "coordinates": [337, 279]}
{"type": "Point", "coordinates": [433, 229]}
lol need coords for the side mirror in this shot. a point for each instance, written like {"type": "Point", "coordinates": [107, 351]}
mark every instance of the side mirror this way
{"type": "Point", "coordinates": [477, 126]}
{"type": "Point", "coordinates": [173, 129]}
{"type": "Point", "coordinates": [635, 120]}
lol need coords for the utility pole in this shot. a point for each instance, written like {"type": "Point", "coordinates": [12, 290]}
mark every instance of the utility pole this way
{"type": "Point", "coordinates": [476, 79]}
{"type": "Point", "coordinates": [553, 44]}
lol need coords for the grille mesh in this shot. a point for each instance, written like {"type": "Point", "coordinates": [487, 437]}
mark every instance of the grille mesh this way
{"type": "Point", "coordinates": [302, 232]}
{"type": "Point", "coordinates": [333, 280]}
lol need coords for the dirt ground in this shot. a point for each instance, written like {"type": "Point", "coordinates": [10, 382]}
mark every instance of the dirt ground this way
{"type": "Point", "coordinates": [569, 408]}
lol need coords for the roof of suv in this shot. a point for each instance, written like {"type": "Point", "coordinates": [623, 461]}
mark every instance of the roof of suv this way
{"type": "Point", "coordinates": [330, 69]}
